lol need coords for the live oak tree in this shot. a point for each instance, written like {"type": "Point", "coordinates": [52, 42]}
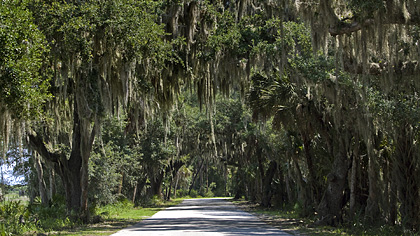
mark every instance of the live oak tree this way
{"type": "Point", "coordinates": [353, 103]}
{"type": "Point", "coordinates": [104, 55]}
{"type": "Point", "coordinates": [377, 44]}
{"type": "Point", "coordinates": [24, 89]}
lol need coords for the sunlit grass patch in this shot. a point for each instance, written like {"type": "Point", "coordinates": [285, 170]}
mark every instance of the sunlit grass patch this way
{"type": "Point", "coordinates": [15, 197]}
{"type": "Point", "coordinates": [116, 217]}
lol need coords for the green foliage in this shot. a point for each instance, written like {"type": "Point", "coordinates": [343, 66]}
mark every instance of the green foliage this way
{"type": "Point", "coordinates": [365, 9]}
{"type": "Point", "coordinates": [226, 35]}
{"type": "Point", "coordinates": [22, 53]}
{"type": "Point", "coordinates": [104, 172]}
{"type": "Point", "coordinates": [14, 218]}
{"type": "Point", "coordinates": [110, 159]}
{"type": "Point", "coordinates": [126, 26]}
{"type": "Point", "coordinates": [115, 209]}
{"type": "Point", "coordinates": [52, 217]}
{"type": "Point", "coordinates": [194, 193]}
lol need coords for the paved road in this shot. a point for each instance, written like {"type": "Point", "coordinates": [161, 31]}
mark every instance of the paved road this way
{"type": "Point", "coordinates": [201, 217]}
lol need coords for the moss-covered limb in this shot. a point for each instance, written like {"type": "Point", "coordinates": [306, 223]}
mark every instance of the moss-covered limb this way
{"type": "Point", "coordinates": [347, 28]}
{"type": "Point", "coordinates": [37, 143]}
{"type": "Point", "coordinates": [344, 27]}
{"type": "Point", "coordinates": [402, 68]}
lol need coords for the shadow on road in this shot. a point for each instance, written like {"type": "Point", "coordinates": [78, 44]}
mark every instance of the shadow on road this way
{"type": "Point", "coordinates": [202, 217]}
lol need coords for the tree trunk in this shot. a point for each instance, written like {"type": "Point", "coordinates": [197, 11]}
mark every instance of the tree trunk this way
{"type": "Point", "coordinates": [393, 212]}
{"type": "Point", "coordinates": [303, 198]}
{"type": "Point", "coordinates": [120, 183]}
{"type": "Point", "coordinates": [176, 184]}
{"type": "Point", "coordinates": [407, 174]}
{"type": "Point", "coordinates": [330, 207]}
{"type": "Point", "coordinates": [195, 177]}
{"type": "Point", "coordinates": [53, 190]}
{"type": "Point", "coordinates": [290, 196]}
{"type": "Point", "coordinates": [134, 192]}
{"type": "Point", "coordinates": [156, 185]}
{"type": "Point", "coordinates": [372, 208]}
{"type": "Point", "coordinates": [259, 181]}
{"type": "Point", "coordinates": [169, 190]}
{"type": "Point", "coordinates": [83, 138]}
{"type": "Point", "coordinates": [268, 179]}
{"type": "Point", "coordinates": [173, 170]}
{"type": "Point", "coordinates": [280, 196]}
{"type": "Point", "coordinates": [41, 183]}
{"type": "Point", "coordinates": [312, 180]}
{"type": "Point", "coordinates": [353, 179]}
{"type": "Point", "coordinates": [239, 179]}
{"type": "Point", "coordinates": [73, 171]}
{"type": "Point", "coordinates": [139, 188]}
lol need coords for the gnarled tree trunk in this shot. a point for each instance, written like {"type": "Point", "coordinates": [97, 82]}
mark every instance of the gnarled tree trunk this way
{"type": "Point", "coordinates": [267, 180]}
{"type": "Point", "coordinates": [330, 208]}
{"type": "Point", "coordinates": [408, 176]}
{"type": "Point", "coordinates": [41, 183]}
{"type": "Point", "coordinates": [73, 171]}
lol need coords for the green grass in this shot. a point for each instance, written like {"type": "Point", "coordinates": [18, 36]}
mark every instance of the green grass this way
{"type": "Point", "coordinates": [15, 197]}
{"type": "Point", "coordinates": [116, 217]}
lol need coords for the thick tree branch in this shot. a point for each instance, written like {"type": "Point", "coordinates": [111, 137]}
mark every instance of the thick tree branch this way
{"type": "Point", "coordinates": [396, 18]}
{"type": "Point", "coordinates": [407, 68]}
{"type": "Point", "coordinates": [348, 28]}
{"type": "Point", "coordinates": [38, 145]}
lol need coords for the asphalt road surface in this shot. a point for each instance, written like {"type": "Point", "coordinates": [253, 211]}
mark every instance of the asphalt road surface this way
{"type": "Point", "coordinates": [213, 216]}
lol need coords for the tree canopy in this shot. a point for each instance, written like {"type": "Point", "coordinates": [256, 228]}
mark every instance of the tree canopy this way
{"type": "Point", "coordinates": [282, 102]}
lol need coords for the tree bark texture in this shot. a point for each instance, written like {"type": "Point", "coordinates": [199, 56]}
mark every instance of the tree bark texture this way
{"type": "Point", "coordinates": [353, 179]}
{"type": "Point", "coordinates": [73, 171]}
{"type": "Point", "coordinates": [41, 183]}
{"type": "Point", "coordinates": [330, 207]}
{"type": "Point", "coordinates": [156, 185]}
{"type": "Point", "coordinates": [303, 198]}
{"type": "Point", "coordinates": [52, 183]}
{"type": "Point", "coordinates": [195, 177]}
{"type": "Point", "coordinates": [267, 180]}
{"type": "Point", "coordinates": [372, 208]}
{"type": "Point", "coordinates": [407, 176]}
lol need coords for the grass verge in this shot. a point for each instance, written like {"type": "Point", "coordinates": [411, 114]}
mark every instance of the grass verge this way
{"type": "Point", "coordinates": [114, 218]}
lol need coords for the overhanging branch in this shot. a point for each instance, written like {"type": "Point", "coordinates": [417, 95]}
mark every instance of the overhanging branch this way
{"type": "Point", "coordinates": [348, 28]}
{"type": "Point", "coordinates": [406, 68]}
{"type": "Point", "coordinates": [38, 145]}
{"type": "Point", "coordinates": [342, 27]}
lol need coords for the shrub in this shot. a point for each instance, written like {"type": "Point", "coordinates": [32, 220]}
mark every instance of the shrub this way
{"type": "Point", "coordinates": [51, 217]}
{"type": "Point", "coordinates": [181, 192]}
{"type": "Point", "coordinates": [193, 193]}
{"type": "Point", "coordinates": [209, 194]}
{"type": "Point", "coordinates": [14, 218]}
